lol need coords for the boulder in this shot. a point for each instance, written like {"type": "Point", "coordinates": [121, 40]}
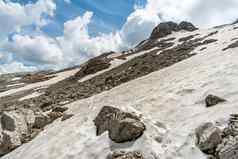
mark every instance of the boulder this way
{"type": "Point", "coordinates": [122, 126]}
{"type": "Point", "coordinates": [125, 155]}
{"type": "Point", "coordinates": [212, 100]}
{"type": "Point", "coordinates": [208, 137]}
{"type": "Point", "coordinates": [126, 130]}
{"type": "Point", "coordinates": [10, 141]}
{"type": "Point", "coordinates": [14, 121]}
{"type": "Point", "coordinates": [103, 119]}
{"type": "Point", "coordinates": [187, 26]}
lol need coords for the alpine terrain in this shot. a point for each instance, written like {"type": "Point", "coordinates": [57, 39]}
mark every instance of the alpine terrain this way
{"type": "Point", "coordinates": [173, 96]}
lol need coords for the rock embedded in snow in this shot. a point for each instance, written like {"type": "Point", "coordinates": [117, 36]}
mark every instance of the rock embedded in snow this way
{"type": "Point", "coordinates": [93, 66]}
{"type": "Point", "coordinates": [126, 155]}
{"type": "Point", "coordinates": [233, 125]}
{"type": "Point", "coordinates": [29, 117]}
{"type": "Point", "coordinates": [126, 130]}
{"type": "Point", "coordinates": [16, 128]}
{"type": "Point", "coordinates": [212, 100]}
{"type": "Point", "coordinates": [10, 141]}
{"type": "Point", "coordinates": [208, 137]}
{"type": "Point", "coordinates": [41, 120]}
{"type": "Point", "coordinates": [228, 149]}
{"type": "Point", "coordinates": [60, 109]}
{"type": "Point", "coordinates": [14, 121]}
{"type": "Point", "coordinates": [122, 126]}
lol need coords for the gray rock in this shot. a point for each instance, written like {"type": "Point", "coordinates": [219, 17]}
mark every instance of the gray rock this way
{"type": "Point", "coordinates": [41, 120]}
{"type": "Point", "coordinates": [122, 126]}
{"type": "Point", "coordinates": [212, 100]}
{"type": "Point", "coordinates": [232, 128]}
{"type": "Point", "coordinates": [164, 29]}
{"type": "Point", "coordinates": [208, 137]}
{"type": "Point", "coordinates": [29, 117]}
{"type": "Point", "coordinates": [93, 65]}
{"type": "Point", "coordinates": [103, 119]}
{"type": "Point", "coordinates": [126, 155]}
{"type": "Point", "coordinates": [14, 121]}
{"type": "Point", "coordinates": [126, 130]}
{"type": "Point", "coordinates": [11, 140]}
{"type": "Point", "coordinates": [228, 149]}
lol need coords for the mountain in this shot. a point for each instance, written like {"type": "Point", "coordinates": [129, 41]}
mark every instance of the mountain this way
{"type": "Point", "coordinates": [172, 96]}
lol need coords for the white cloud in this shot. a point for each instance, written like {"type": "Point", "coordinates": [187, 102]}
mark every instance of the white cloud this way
{"type": "Point", "coordinates": [204, 13]}
{"type": "Point", "coordinates": [76, 45]}
{"type": "Point", "coordinates": [15, 15]}
{"type": "Point", "coordinates": [15, 67]}
{"type": "Point", "coordinates": [36, 50]}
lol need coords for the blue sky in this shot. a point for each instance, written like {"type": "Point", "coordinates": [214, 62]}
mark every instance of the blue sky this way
{"type": "Point", "coordinates": [54, 34]}
{"type": "Point", "coordinates": [109, 15]}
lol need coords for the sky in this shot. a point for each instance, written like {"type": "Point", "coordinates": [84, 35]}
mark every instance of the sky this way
{"type": "Point", "coordinates": [55, 34]}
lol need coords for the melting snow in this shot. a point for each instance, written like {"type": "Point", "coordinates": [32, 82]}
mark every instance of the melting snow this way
{"type": "Point", "coordinates": [59, 77]}
{"type": "Point", "coordinates": [171, 102]}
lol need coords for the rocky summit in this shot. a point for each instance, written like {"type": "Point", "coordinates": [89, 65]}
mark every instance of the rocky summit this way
{"type": "Point", "coordinates": [174, 95]}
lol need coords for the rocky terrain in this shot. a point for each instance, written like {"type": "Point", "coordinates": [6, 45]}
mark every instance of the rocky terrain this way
{"type": "Point", "coordinates": [172, 96]}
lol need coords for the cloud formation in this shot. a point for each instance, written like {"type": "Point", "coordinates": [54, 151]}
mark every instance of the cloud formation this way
{"type": "Point", "coordinates": [16, 16]}
{"type": "Point", "coordinates": [76, 45]}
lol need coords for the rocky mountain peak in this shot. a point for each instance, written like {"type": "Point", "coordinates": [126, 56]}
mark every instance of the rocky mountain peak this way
{"type": "Point", "coordinates": [166, 28]}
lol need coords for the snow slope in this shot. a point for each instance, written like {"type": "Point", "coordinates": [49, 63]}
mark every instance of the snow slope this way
{"type": "Point", "coordinates": [59, 77]}
{"type": "Point", "coordinates": [171, 102]}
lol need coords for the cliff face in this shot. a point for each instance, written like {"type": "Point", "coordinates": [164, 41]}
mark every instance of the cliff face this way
{"type": "Point", "coordinates": [161, 87]}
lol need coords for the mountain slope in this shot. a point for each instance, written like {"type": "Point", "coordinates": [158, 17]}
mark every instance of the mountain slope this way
{"type": "Point", "coordinates": [169, 96]}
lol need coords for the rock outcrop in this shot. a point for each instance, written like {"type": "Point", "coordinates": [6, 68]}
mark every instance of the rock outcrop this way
{"type": "Point", "coordinates": [212, 100]}
{"type": "Point", "coordinates": [126, 155]}
{"type": "Point", "coordinates": [217, 144]}
{"type": "Point", "coordinates": [228, 149]}
{"type": "Point", "coordinates": [15, 129]}
{"type": "Point", "coordinates": [37, 77]}
{"type": "Point", "coordinates": [122, 126]}
{"type": "Point", "coordinates": [208, 137]}
{"type": "Point", "coordinates": [166, 28]}
{"type": "Point", "coordinates": [94, 65]}
{"type": "Point", "coordinates": [187, 26]}
{"type": "Point", "coordinates": [60, 109]}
